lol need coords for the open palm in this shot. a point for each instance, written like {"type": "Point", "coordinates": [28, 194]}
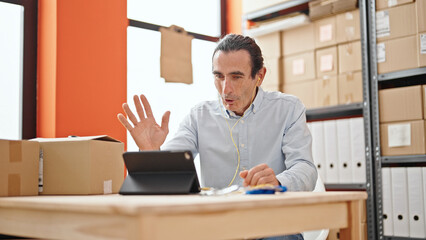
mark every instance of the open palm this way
{"type": "Point", "coordinates": [147, 134]}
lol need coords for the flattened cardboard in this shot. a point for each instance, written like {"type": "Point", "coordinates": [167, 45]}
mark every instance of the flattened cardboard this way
{"type": "Point", "coordinates": [175, 60]}
{"type": "Point", "coordinates": [19, 166]}
{"type": "Point", "coordinates": [397, 54]}
{"type": "Point", "coordinates": [81, 165]}
{"type": "Point", "coordinates": [416, 142]}
{"type": "Point", "coordinates": [299, 67]}
{"type": "Point", "coordinates": [401, 104]}
{"type": "Point", "coordinates": [348, 26]}
{"type": "Point", "coordinates": [298, 40]}
{"type": "Point", "coordinates": [350, 57]}
{"type": "Point", "coordinates": [350, 88]}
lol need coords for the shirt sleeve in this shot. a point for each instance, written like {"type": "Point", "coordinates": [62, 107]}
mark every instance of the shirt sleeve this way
{"type": "Point", "coordinates": [301, 173]}
{"type": "Point", "coordinates": [186, 138]}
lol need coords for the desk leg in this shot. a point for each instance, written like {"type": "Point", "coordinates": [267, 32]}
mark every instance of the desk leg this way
{"type": "Point", "coordinates": [355, 229]}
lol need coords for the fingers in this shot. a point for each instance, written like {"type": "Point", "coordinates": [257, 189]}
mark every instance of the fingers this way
{"type": "Point", "coordinates": [124, 121]}
{"type": "Point", "coordinates": [165, 121]}
{"type": "Point", "coordinates": [147, 107]}
{"type": "Point", "coordinates": [139, 108]}
{"type": "Point", "coordinates": [260, 174]}
{"type": "Point", "coordinates": [130, 114]}
{"type": "Point", "coordinates": [243, 174]}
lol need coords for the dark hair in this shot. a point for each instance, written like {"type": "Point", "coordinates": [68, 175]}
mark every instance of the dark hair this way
{"type": "Point", "coordinates": [235, 42]}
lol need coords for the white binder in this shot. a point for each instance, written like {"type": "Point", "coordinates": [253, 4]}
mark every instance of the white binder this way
{"type": "Point", "coordinates": [331, 160]}
{"type": "Point", "coordinates": [344, 151]}
{"type": "Point", "coordinates": [424, 191]}
{"type": "Point", "coordinates": [401, 225]}
{"type": "Point", "coordinates": [358, 150]}
{"type": "Point", "coordinates": [317, 131]}
{"type": "Point", "coordinates": [416, 210]}
{"type": "Point", "coordinates": [387, 202]}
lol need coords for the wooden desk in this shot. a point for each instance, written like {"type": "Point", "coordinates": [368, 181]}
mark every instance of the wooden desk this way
{"type": "Point", "coordinates": [181, 217]}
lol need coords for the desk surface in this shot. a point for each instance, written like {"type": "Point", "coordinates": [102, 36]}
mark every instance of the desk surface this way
{"type": "Point", "coordinates": [179, 217]}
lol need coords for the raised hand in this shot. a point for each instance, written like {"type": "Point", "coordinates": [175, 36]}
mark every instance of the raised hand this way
{"type": "Point", "coordinates": [147, 134]}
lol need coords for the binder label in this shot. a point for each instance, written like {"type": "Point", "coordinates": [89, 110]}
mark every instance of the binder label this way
{"type": "Point", "coordinates": [422, 43]}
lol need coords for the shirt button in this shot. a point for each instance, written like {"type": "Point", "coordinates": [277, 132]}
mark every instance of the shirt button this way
{"type": "Point", "coordinates": [242, 144]}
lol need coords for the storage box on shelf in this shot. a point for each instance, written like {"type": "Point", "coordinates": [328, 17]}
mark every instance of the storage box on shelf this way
{"type": "Point", "coordinates": [399, 37]}
{"type": "Point", "coordinates": [350, 87]}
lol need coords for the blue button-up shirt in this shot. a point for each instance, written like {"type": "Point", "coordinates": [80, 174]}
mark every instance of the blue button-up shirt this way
{"type": "Point", "coordinates": [273, 130]}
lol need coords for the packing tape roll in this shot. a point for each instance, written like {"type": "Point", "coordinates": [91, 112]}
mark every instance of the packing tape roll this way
{"type": "Point", "coordinates": [15, 151]}
{"type": "Point", "coordinates": [14, 184]}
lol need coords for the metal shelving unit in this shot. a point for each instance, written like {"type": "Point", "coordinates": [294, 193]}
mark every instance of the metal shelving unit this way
{"type": "Point", "coordinates": [377, 81]}
{"type": "Point", "coordinates": [354, 109]}
{"type": "Point", "coordinates": [357, 109]}
{"type": "Point", "coordinates": [344, 186]}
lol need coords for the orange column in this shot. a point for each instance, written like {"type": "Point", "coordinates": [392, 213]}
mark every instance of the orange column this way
{"type": "Point", "coordinates": [82, 67]}
{"type": "Point", "coordinates": [234, 13]}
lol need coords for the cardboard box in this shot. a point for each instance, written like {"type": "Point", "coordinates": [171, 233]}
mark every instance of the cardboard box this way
{"type": "Point", "coordinates": [81, 165]}
{"type": "Point", "coordinates": [326, 62]}
{"type": "Point", "coordinates": [382, 4]}
{"type": "Point", "coordinates": [421, 15]}
{"type": "Point", "coordinates": [397, 54]}
{"type": "Point", "coordinates": [348, 27]}
{"type": "Point", "coordinates": [325, 32]}
{"type": "Point", "coordinates": [255, 5]}
{"type": "Point", "coordinates": [305, 91]}
{"type": "Point", "coordinates": [270, 44]}
{"type": "Point", "coordinates": [299, 67]}
{"type": "Point", "coordinates": [403, 138]}
{"type": "Point", "coordinates": [350, 88]}
{"type": "Point", "coordinates": [272, 87]}
{"type": "Point", "coordinates": [396, 22]}
{"type": "Point", "coordinates": [327, 92]}
{"type": "Point", "coordinates": [298, 40]}
{"type": "Point", "coordinates": [350, 57]}
{"type": "Point", "coordinates": [400, 104]}
{"type": "Point", "coordinates": [421, 49]}
{"type": "Point", "coordinates": [19, 168]}
{"type": "Point", "coordinates": [273, 71]}
{"type": "Point", "coordinates": [424, 100]}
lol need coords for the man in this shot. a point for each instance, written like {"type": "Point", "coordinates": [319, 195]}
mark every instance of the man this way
{"type": "Point", "coordinates": [260, 136]}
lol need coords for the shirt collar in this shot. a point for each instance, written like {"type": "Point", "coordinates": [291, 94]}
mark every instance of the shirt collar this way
{"type": "Point", "coordinates": [254, 107]}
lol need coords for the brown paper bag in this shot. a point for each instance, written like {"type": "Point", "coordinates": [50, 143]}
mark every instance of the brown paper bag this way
{"type": "Point", "coordinates": [175, 60]}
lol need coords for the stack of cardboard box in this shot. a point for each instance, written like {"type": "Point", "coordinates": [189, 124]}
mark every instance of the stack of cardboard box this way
{"type": "Point", "coordinates": [402, 124]}
{"type": "Point", "coordinates": [401, 35]}
{"type": "Point", "coordinates": [61, 166]}
{"type": "Point", "coordinates": [299, 63]}
{"type": "Point", "coordinates": [328, 70]}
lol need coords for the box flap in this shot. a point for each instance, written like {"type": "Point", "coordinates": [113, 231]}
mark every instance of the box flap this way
{"type": "Point", "coordinates": [76, 138]}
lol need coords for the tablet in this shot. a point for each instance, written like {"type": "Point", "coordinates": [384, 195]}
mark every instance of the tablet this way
{"type": "Point", "coordinates": [160, 172]}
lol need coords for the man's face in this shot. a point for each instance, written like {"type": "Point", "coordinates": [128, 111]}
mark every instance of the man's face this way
{"type": "Point", "coordinates": [232, 78]}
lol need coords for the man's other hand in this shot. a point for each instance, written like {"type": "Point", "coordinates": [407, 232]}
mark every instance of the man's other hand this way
{"type": "Point", "coordinates": [260, 174]}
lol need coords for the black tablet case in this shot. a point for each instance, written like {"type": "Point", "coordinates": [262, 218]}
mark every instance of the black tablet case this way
{"type": "Point", "coordinates": [160, 172]}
